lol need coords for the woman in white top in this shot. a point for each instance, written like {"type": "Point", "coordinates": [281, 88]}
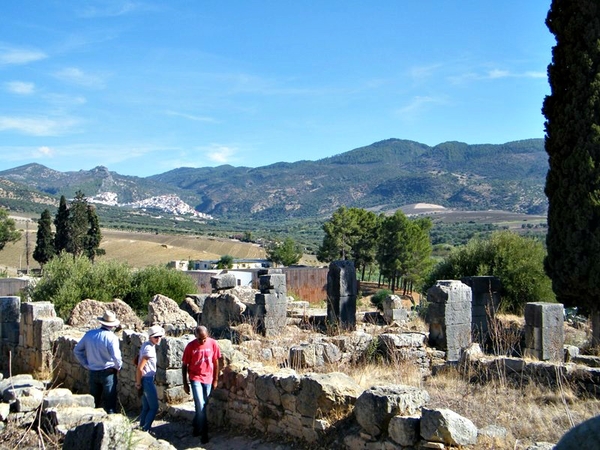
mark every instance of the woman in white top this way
{"type": "Point", "coordinates": [144, 377]}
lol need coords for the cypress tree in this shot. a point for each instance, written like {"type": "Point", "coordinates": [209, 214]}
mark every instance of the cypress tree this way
{"type": "Point", "coordinates": [44, 243]}
{"type": "Point", "coordinates": [61, 223]}
{"type": "Point", "coordinates": [78, 224]}
{"type": "Point", "coordinates": [572, 112]}
{"type": "Point", "coordinates": [93, 236]}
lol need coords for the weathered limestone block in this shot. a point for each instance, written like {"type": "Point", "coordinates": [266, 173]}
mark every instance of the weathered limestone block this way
{"type": "Point", "coordinates": [584, 435]}
{"type": "Point", "coordinates": [62, 397]}
{"type": "Point", "coordinates": [223, 281]}
{"type": "Point", "coordinates": [319, 393]}
{"type": "Point", "coordinates": [170, 352]}
{"type": "Point", "coordinates": [221, 311]}
{"type": "Point", "coordinates": [544, 331]}
{"type": "Point", "coordinates": [29, 400]}
{"type": "Point", "coordinates": [404, 430]}
{"type": "Point", "coordinates": [449, 317]}
{"type": "Point", "coordinates": [45, 332]}
{"type": "Point", "coordinates": [86, 312]}
{"type": "Point", "coordinates": [446, 426]}
{"type": "Point", "coordinates": [376, 406]}
{"type": "Point", "coordinates": [10, 309]}
{"type": "Point", "coordinates": [165, 312]}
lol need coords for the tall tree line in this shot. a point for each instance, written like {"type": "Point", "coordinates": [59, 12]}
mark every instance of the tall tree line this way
{"type": "Point", "coordinates": [77, 231]}
{"type": "Point", "coordinates": [400, 247]}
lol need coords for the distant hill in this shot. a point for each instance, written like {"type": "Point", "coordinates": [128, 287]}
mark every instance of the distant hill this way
{"type": "Point", "coordinates": [381, 177]}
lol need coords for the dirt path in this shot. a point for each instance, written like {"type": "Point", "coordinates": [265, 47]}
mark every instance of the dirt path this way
{"type": "Point", "coordinates": [179, 435]}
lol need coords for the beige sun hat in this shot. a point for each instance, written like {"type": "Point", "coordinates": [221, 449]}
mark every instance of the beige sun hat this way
{"type": "Point", "coordinates": [155, 331]}
{"type": "Point", "coordinates": [109, 319]}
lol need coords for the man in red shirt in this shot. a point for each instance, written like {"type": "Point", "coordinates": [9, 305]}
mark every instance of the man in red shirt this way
{"type": "Point", "coordinates": [201, 363]}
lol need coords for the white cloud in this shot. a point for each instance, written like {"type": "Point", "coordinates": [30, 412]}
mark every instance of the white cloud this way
{"type": "Point", "coordinates": [44, 152]}
{"type": "Point", "coordinates": [416, 104]}
{"type": "Point", "coordinates": [114, 8]}
{"type": "Point", "coordinates": [20, 87]}
{"type": "Point", "coordinates": [14, 55]}
{"type": "Point", "coordinates": [497, 73]}
{"type": "Point", "coordinates": [36, 126]}
{"type": "Point", "coordinates": [220, 154]}
{"type": "Point", "coordinates": [191, 117]}
{"type": "Point", "coordinates": [78, 76]}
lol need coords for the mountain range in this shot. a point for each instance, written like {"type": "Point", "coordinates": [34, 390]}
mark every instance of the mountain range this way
{"type": "Point", "coordinates": [382, 177]}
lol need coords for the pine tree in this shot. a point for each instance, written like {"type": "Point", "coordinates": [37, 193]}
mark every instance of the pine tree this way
{"type": "Point", "coordinates": [8, 230]}
{"type": "Point", "coordinates": [44, 243]}
{"type": "Point", "coordinates": [61, 223]}
{"type": "Point", "coordinates": [572, 112]}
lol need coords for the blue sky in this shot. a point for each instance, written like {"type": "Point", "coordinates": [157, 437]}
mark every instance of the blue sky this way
{"type": "Point", "coordinates": [143, 87]}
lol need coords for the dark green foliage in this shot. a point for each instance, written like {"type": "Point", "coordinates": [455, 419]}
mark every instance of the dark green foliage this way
{"type": "Point", "coordinates": [516, 260]}
{"type": "Point", "coordinates": [226, 262]}
{"type": "Point", "coordinates": [351, 233]}
{"type": "Point", "coordinates": [286, 253]}
{"type": "Point", "coordinates": [8, 231]}
{"type": "Point", "coordinates": [78, 224]}
{"type": "Point", "coordinates": [44, 244]}
{"type": "Point", "coordinates": [404, 249]}
{"type": "Point", "coordinates": [378, 298]}
{"type": "Point", "coordinates": [91, 243]}
{"type": "Point", "coordinates": [152, 280]}
{"type": "Point", "coordinates": [67, 280]}
{"type": "Point", "coordinates": [62, 226]}
{"type": "Point", "coordinates": [572, 113]}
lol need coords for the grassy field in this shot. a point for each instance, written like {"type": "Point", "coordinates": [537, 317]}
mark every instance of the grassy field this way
{"type": "Point", "coordinates": [138, 249]}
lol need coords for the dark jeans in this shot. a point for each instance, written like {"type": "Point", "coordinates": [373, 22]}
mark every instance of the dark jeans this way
{"type": "Point", "coordinates": [103, 386]}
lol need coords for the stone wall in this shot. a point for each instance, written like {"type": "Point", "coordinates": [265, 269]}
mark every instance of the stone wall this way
{"type": "Point", "coordinates": [281, 403]}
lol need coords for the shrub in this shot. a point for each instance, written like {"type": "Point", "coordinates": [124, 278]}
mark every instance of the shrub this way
{"type": "Point", "coordinates": [152, 280]}
{"type": "Point", "coordinates": [67, 280]}
{"type": "Point", "coordinates": [517, 261]}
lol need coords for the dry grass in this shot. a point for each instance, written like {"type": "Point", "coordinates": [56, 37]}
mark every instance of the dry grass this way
{"type": "Point", "coordinates": [141, 249]}
{"type": "Point", "coordinates": [529, 412]}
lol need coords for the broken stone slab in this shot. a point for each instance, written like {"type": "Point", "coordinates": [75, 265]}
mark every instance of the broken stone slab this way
{"type": "Point", "coordinates": [12, 387]}
{"type": "Point", "coordinates": [113, 432]}
{"type": "Point", "coordinates": [64, 397]}
{"type": "Point", "coordinates": [377, 405]}
{"type": "Point", "coordinates": [29, 400]}
{"type": "Point", "coordinates": [447, 427]}
{"type": "Point", "coordinates": [61, 420]}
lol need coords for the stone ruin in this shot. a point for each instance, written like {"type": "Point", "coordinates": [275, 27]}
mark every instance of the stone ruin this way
{"type": "Point", "coordinates": [342, 291]}
{"type": "Point", "coordinates": [280, 401]}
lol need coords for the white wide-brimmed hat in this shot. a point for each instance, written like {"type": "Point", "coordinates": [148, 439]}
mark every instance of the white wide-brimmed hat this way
{"type": "Point", "coordinates": [109, 319]}
{"type": "Point", "coordinates": [156, 331]}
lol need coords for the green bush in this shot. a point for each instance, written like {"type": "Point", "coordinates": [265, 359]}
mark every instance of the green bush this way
{"type": "Point", "coordinates": [67, 280]}
{"type": "Point", "coordinates": [517, 261]}
{"type": "Point", "coordinates": [152, 280]}
{"type": "Point", "coordinates": [378, 298]}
